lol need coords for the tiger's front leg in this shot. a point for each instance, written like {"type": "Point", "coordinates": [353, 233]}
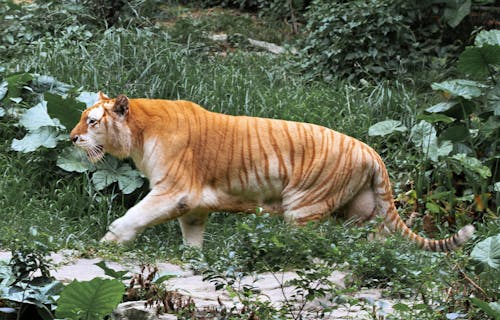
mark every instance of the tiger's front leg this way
{"type": "Point", "coordinates": [155, 208]}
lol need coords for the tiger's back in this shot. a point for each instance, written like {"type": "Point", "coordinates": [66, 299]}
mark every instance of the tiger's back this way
{"type": "Point", "coordinates": [199, 161]}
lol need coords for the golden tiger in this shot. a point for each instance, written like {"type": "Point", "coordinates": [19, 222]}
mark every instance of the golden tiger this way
{"type": "Point", "coordinates": [199, 161]}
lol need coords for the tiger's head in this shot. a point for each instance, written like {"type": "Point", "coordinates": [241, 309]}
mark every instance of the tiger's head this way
{"type": "Point", "coordinates": [103, 128]}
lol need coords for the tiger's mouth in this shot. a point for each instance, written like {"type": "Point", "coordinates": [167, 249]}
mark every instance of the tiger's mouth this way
{"type": "Point", "coordinates": [95, 153]}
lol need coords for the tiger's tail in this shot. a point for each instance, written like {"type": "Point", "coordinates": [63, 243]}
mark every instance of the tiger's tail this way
{"type": "Point", "coordinates": [392, 220]}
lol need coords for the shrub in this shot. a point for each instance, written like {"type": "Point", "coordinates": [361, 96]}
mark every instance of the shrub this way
{"type": "Point", "coordinates": [265, 243]}
{"type": "Point", "coordinates": [457, 138]}
{"type": "Point", "coordinates": [289, 10]}
{"type": "Point", "coordinates": [107, 13]}
{"type": "Point", "coordinates": [31, 26]}
{"type": "Point", "coordinates": [349, 39]}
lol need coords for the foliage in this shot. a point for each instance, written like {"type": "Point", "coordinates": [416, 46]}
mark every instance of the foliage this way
{"type": "Point", "coordinates": [354, 39]}
{"type": "Point", "coordinates": [254, 305]}
{"type": "Point", "coordinates": [48, 122]}
{"type": "Point", "coordinates": [107, 13]}
{"type": "Point", "coordinates": [279, 9]}
{"type": "Point", "coordinates": [118, 275]}
{"type": "Point", "coordinates": [459, 136]}
{"type": "Point", "coordinates": [30, 28]}
{"type": "Point", "coordinates": [379, 38]}
{"type": "Point", "coordinates": [487, 252]}
{"type": "Point", "coordinates": [89, 300]}
{"type": "Point", "coordinates": [491, 309]}
{"type": "Point", "coordinates": [486, 269]}
{"type": "Point", "coordinates": [257, 246]}
{"type": "Point", "coordinates": [25, 283]}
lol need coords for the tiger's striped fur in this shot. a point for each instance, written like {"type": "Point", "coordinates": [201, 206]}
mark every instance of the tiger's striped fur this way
{"type": "Point", "coordinates": [198, 162]}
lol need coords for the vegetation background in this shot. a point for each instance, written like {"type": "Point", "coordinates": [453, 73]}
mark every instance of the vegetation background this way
{"type": "Point", "coordinates": [417, 80]}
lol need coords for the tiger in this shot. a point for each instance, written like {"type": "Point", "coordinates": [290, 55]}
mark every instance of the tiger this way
{"type": "Point", "coordinates": [198, 162]}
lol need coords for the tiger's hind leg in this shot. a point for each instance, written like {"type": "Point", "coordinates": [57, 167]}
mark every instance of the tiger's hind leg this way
{"type": "Point", "coordinates": [301, 215]}
{"type": "Point", "coordinates": [362, 207]}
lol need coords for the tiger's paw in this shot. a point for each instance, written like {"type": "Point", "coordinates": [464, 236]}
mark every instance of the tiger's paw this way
{"type": "Point", "coordinates": [111, 237]}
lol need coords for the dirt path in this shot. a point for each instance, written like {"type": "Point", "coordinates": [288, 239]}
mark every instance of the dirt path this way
{"type": "Point", "coordinates": [273, 288]}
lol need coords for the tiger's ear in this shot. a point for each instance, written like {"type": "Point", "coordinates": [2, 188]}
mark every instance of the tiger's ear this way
{"type": "Point", "coordinates": [121, 105]}
{"type": "Point", "coordinates": [102, 96]}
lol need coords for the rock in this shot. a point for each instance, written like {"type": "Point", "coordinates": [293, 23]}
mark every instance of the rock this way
{"type": "Point", "coordinates": [83, 270]}
{"type": "Point", "coordinates": [271, 47]}
{"type": "Point", "coordinates": [136, 310]}
{"type": "Point", "coordinates": [238, 38]}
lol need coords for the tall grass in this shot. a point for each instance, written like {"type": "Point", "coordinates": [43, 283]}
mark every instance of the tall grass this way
{"type": "Point", "coordinates": [145, 64]}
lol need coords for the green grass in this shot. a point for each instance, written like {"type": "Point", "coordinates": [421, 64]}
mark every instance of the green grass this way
{"type": "Point", "coordinates": [37, 195]}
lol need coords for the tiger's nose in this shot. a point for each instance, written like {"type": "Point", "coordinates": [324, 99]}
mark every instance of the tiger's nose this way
{"type": "Point", "coordinates": [74, 138]}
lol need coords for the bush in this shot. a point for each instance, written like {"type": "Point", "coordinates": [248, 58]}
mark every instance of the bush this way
{"type": "Point", "coordinates": [25, 28]}
{"type": "Point", "coordinates": [107, 13]}
{"type": "Point", "coordinates": [349, 39]}
{"type": "Point", "coordinates": [265, 243]}
{"type": "Point", "coordinates": [31, 26]}
{"type": "Point", "coordinates": [290, 10]}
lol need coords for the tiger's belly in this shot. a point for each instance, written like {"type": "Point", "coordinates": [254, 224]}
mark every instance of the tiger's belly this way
{"type": "Point", "coordinates": [247, 201]}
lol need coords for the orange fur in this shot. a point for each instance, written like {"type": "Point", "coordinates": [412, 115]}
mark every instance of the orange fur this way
{"type": "Point", "coordinates": [199, 161]}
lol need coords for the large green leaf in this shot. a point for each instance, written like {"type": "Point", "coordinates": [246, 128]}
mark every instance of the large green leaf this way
{"type": "Point", "coordinates": [129, 179]}
{"type": "Point", "coordinates": [89, 300]}
{"type": "Point", "coordinates": [110, 172]}
{"type": "Point", "coordinates": [441, 107]}
{"type": "Point", "coordinates": [103, 178]}
{"type": "Point", "coordinates": [487, 252]}
{"type": "Point", "coordinates": [494, 100]}
{"type": "Point", "coordinates": [466, 89]}
{"type": "Point", "coordinates": [74, 160]}
{"type": "Point", "coordinates": [443, 149]}
{"type": "Point", "coordinates": [435, 117]}
{"type": "Point", "coordinates": [491, 309]}
{"type": "Point", "coordinates": [42, 137]}
{"type": "Point", "coordinates": [491, 37]}
{"type": "Point", "coordinates": [16, 82]}
{"type": "Point", "coordinates": [476, 60]}
{"type": "Point", "coordinates": [473, 165]}
{"type": "Point", "coordinates": [423, 135]}
{"type": "Point", "coordinates": [40, 292]}
{"type": "Point", "coordinates": [495, 306]}
{"type": "Point", "coordinates": [386, 127]}
{"type": "Point", "coordinates": [456, 133]}
{"type": "Point", "coordinates": [119, 275]}
{"type": "Point", "coordinates": [68, 111]}
{"type": "Point", "coordinates": [455, 11]}
{"type": "Point", "coordinates": [37, 117]}
{"type": "Point", "coordinates": [44, 83]}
